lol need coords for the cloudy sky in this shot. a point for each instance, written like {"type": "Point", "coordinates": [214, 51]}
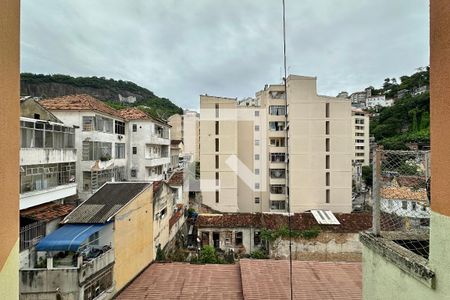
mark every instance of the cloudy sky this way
{"type": "Point", "coordinates": [180, 49]}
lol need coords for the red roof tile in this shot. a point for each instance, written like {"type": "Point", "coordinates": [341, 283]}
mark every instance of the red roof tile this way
{"type": "Point", "coordinates": [354, 222]}
{"type": "Point", "coordinates": [133, 113]}
{"type": "Point", "coordinates": [78, 102]}
{"type": "Point", "coordinates": [177, 178]}
{"type": "Point", "coordinates": [47, 212]}
{"type": "Point", "coordinates": [248, 279]}
{"type": "Point", "coordinates": [269, 279]}
{"type": "Point", "coordinates": [186, 281]}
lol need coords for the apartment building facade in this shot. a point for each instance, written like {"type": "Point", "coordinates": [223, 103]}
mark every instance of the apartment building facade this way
{"type": "Point", "coordinates": [248, 164]}
{"type": "Point", "coordinates": [361, 143]}
{"type": "Point", "coordinates": [148, 146]}
{"type": "Point", "coordinates": [186, 128]}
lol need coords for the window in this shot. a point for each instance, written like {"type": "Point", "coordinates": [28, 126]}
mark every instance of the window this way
{"type": "Point", "coordinates": [277, 173]}
{"type": "Point", "coordinates": [257, 200]}
{"type": "Point", "coordinates": [278, 205]}
{"type": "Point", "coordinates": [277, 110]}
{"type": "Point", "coordinates": [327, 196]}
{"type": "Point", "coordinates": [217, 178]}
{"type": "Point", "coordinates": [327, 110]}
{"type": "Point", "coordinates": [359, 147]}
{"type": "Point", "coordinates": [120, 150]}
{"type": "Point", "coordinates": [359, 154]}
{"type": "Point", "coordinates": [404, 205]}
{"type": "Point", "coordinates": [217, 145]}
{"type": "Point", "coordinates": [256, 113]}
{"type": "Point", "coordinates": [119, 127]}
{"type": "Point", "coordinates": [359, 133]}
{"type": "Point", "coordinates": [238, 238]}
{"type": "Point", "coordinates": [103, 124]}
{"type": "Point", "coordinates": [217, 196]}
{"type": "Point", "coordinates": [327, 161]}
{"type": "Point", "coordinates": [217, 161]}
{"type": "Point", "coordinates": [277, 189]}
{"type": "Point", "coordinates": [359, 121]}
{"type": "Point", "coordinates": [134, 128]}
{"type": "Point", "coordinates": [41, 177]}
{"type": "Point", "coordinates": [256, 238]}
{"type": "Point", "coordinates": [256, 156]}
{"type": "Point", "coordinates": [327, 127]}
{"type": "Point", "coordinates": [413, 205]}
{"type": "Point", "coordinates": [359, 127]}
{"type": "Point", "coordinates": [277, 126]}
{"type": "Point", "coordinates": [256, 142]}
{"type": "Point", "coordinates": [327, 144]}
{"type": "Point", "coordinates": [217, 110]}
{"type": "Point", "coordinates": [257, 186]}
{"type": "Point", "coordinates": [217, 127]}
{"type": "Point", "coordinates": [327, 178]}
{"type": "Point", "coordinates": [96, 151]}
{"type": "Point", "coordinates": [88, 123]}
{"type": "Point", "coordinates": [134, 150]}
{"type": "Point", "coordinates": [44, 135]}
{"type": "Point", "coordinates": [256, 127]}
{"type": "Point", "coordinates": [277, 157]}
{"type": "Point", "coordinates": [133, 173]}
{"type": "Point", "coordinates": [359, 141]}
{"type": "Point", "coordinates": [256, 171]}
{"type": "Point", "coordinates": [277, 142]}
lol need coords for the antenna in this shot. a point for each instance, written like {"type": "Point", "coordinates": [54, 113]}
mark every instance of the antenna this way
{"type": "Point", "coordinates": [287, 148]}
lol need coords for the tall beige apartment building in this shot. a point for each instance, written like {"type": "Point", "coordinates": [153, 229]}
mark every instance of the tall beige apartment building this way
{"type": "Point", "coordinates": [259, 155]}
{"type": "Point", "coordinates": [186, 128]}
{"type": "Point", "coordinates": [361, 144]}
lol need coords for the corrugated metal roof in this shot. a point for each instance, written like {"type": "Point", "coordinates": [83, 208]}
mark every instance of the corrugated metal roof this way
{"type": "Point", "coordinates": [106, 202]}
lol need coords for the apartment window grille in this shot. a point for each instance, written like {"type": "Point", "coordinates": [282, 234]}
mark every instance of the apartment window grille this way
{"type": "Point", "coordinates": [42, 177]}
{"type": "Point", "coordinates": [119, 127]}
{"type": "Point", "coordinates": [278, 205]}
{"type": "Point", "coordinates": [277, 110]}
{"type": "Point", "coordinates": [103, 124]}
{"type": "Point", "coordinates": [277, 142]}
{"type": "Point", "coordinates": [277, 126]}
{"type": "Point", "coordinates": [277, 189]}
{"type": "Point", "coordinates": [257, 200]}
{"type": "Point", "coordinates": [277, 173]}
{"type": "Point", "coordinates": [88, 123]}
{"type": "Point", "coordinates": [120, 150]}
{"type": "Point", "coordinates": [134, 150]}
{"type": "Point", "coordinates": [327, 196]}
{"type": "Point", "coordinates": [96, 151]}
{"type": "Point", "coordinates": [134, 127]}
{"type": "Point", "coordinates": [44, 135]}
{"type": "Point", "coordinates": [277, 157]}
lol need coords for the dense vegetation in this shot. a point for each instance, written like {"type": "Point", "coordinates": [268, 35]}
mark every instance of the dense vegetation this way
{"type": "Point", "coordinates": [152, 104]}
{"type": "Point", "coordinates": [408, 120]}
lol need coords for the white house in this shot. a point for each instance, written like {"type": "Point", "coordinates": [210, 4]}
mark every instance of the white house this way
{"type": "Point", "coordinates": [374, 101]}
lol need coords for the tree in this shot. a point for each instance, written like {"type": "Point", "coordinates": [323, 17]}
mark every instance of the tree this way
{"type": "Point", "coordinates": [208, 255]}
{"type": "Point", "coordinates": [367, 175]}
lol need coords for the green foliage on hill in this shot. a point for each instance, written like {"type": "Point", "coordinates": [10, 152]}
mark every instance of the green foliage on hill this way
{"type": "Point", "coordinates": [154, 105]}
{"type": "Point", "coordinates": [408, 120]}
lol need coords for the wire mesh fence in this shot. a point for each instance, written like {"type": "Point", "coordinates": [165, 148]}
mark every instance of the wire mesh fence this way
{"type": "Point", "coordinates": [401, 200]}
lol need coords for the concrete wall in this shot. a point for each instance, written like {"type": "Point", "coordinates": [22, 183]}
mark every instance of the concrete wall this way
{"type": "Point", "coordinates": [133, 238]}
{"type": "Point", "coordinates": [328, 246]}
{"type": "Point", "coordinates": [163, 199]}
{"type": "Point", "coordinates": [191, 135]}
{"type": "Point", "coordinates": [176, 121]}
{"type": "Point", "coordinates": [9, 147]}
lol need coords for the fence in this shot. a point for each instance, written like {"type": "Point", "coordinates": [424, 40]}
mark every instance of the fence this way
{"type": "Point", "coordinates": [31, 234]}
{"type": "Point", "coordinates": [401, 206]}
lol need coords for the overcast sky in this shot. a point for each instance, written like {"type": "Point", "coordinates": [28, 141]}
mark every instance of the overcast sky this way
{"type": "Point", "coordinates": [180, 49]}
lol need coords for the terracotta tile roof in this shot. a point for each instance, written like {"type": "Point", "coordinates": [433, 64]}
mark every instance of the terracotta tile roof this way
{"type": "Point", "coordinates": [404, 193]}
{"type": "Point", "coordinates": [350, 223]}
{"type": "Point", "coordinates": [269, 279]}
{"type": "Point", "coordinates": [186, 281]}
{"type": "Point", "coordinates": [79, 102]}
{"type": "Point", "coordinates": [133, 113]}
{"type": "Point", "coordinates": [157, 185]}
{"type": "Point", "coordinates": [47, 212]}
{"type": "Point", "coordinates": [248, 279]}
{"type": "Point", "coordinates": [176, 179]}
{"type": "Point", "coordinates": [413, 182]}
{"type": "Point", "coordinates": [176, 216]}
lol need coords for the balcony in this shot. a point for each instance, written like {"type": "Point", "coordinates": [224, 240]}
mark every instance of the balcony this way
{"type": "Point", "coordinates": [38, 197]}
{"type": "Point", "coordinates": [37, 156]}
{"type": "Point", "coordinates": [152, 162]}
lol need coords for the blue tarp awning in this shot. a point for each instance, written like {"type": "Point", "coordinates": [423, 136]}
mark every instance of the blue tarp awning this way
{"type": "Point", "coordinates": [68, 238]}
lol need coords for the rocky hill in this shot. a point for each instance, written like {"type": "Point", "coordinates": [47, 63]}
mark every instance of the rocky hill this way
{"type": "Point", "coordinates": [117, 93]}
